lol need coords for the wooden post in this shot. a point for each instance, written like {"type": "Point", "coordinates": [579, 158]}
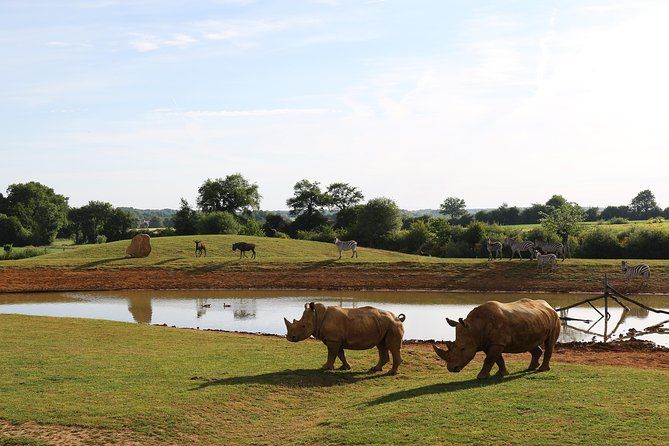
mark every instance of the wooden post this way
{"type": "Point", "coordinates": [606, 308]}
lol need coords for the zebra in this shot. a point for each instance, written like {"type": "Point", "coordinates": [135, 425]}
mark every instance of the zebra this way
{"type": "Point", "coordinates": [551, 248]}
{"type": "Point", "coordinates": [545, 259]}
{"type": "Point", "coordinates": [518, 247]}
{"type": "Point", "coordinates": [642, 270]}
{"type": "Point", "coordinates": [349, 245]}
{"type": "Point", "coordinates": [494, 249]}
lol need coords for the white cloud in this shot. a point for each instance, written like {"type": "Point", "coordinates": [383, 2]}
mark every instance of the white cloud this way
{"type": "Point", "coordinates": [148, 42]}
{"type": "Point", "coordinates": [248, 113]}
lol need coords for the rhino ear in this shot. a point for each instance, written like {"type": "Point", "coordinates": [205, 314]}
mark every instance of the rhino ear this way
{"type": "Point", "coordinates": [443, 354]}
{"type": "Point", "coordinates": [312, 306]}
{"type": "Point", "coordinates": [451, 322]}
{"type": "Point", "coordinates": [286, 322]}
{"type": "Point", "coordinates": [463, 323]}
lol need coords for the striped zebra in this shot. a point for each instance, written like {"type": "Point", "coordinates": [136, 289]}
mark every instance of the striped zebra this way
{"type": "Point", "coordinates": [545, 259]}
{"type": "Point", "coordinates": [642, 270]}
{"type": "Point", "coordinates": [518, 247]}
{"type": "Point", "coordinates": [551, 248]}
{"type": "Point", "coordinates": [349, 245]}
{"type": "Point", "coordinates": [494, 249]}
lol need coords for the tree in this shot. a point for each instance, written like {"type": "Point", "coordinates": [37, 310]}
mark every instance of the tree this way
{"type": "Point", "coordinates": [218, 223]}
{"type": "Point", "coordinates": [556, 201]}
{"type": "Point", "coordinates": [87, 222]}
{"type": "Point", "coordinates": [453, 207]}
{"type": "Point", "coordinates": [592, 214]}
{"type": "Point", "coordinates": [644, 205]}
{"type": "Point", "coordinates": [11, 231]}
{"type": "Point", "coordinates": [185, 219]}
{"type": "Point", "coordinates": [275, 223]}
{"type": "Point", "coordinates": [564, 221]}
{"type": "Point", "coordinates": [38, 208]}
{"type": "Point", "coordinates": [531, 215]}
{"type": "Point", "coordinates": [307, 198]}
{"type": "Point", "coordinates": [156, 221]}
{"type": "Point", "coordinates": [610, 212]}
{"type": "Point", "coordinates": [232, 194]}
{"type": "Point", "coordinates": [341, 196]}
{"type": "Point", "coordinates": [117, 225]}
{"type": "Point", "coordinates": [377, 220]}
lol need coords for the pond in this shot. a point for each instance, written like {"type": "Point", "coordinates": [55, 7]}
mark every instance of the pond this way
{"type": "Point", "coordinates": [263, 311]}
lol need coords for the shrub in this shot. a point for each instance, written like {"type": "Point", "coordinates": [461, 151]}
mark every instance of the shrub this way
{"type": "Point", "coordinates": [218, 223]}
{"type": "Point", "coordinates": [100, 239]}
{"type": "Point", "coordinates": [326, 234]}
{"type": "Point", "coordinates": [279, 234]}
{"type": "Point", "coordinates": [252, 227]}
{"type": "Point", "coordinates": [618, 221]}
{"type": "Point", "coordinates": [377, 220]}
{"type": "Point", "coordinates": [8, 247]}
{"type": "Point", "coordinates": [655, 220]}
{"type": "Point", "coordinates": [648, 243]}
{"type": "Point", "coordinates": [18, 254]}
{"type": "Point", "coordinates": [600, 243]}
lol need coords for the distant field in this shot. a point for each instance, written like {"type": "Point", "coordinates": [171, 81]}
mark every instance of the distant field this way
{"type": "Point", "coordinates": [179, 251]}
{"type": "Point", "coordinates": [100, 382]}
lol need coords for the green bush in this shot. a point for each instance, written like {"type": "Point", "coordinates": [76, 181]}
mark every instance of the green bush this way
{"type": "Point", "coordinates": [252, 227]}
{"type": "Point", "coordinates": [647, 243]}
{"type": "Point", "coordinates": [618, 221]}
{"type": "Point", "coordinates": [18, 254]}
{"type": "Point", "coordinates": [600, 243]}
{"type": "Point", "coordinates": [326, 234]}
{"type": "Point", "coordinates": [8, 247]}
{"type": "Point", "coordinates": [100, 239]}
{"type": "Point", "coordinates": [219, 222]}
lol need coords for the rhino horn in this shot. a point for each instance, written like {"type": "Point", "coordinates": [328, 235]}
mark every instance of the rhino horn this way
{"type": "Point", "coordinates": [286, 322]}
{"type": "Point", "coordinates": [451, 322]}
{"type": "Point", "coordinates": [443, 354]}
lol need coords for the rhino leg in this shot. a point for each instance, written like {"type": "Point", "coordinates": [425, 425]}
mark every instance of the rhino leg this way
{"type": "Point", "coordinates": [536, 354]}
{"type": "Point", "coordinates": [344, 363]}
{"type": "Point", "coordinates": [384, 357]}
{"type": "Point", "coordinates": [333, 351]}
{"type": "Point", "coordinates": [492, 356]}
{"type": "Point", "coordinates": [545, 364]}
{"type": "Point", "coordinates": [502, 367]}
{"type": "Point", "coordinates": [397, 360]}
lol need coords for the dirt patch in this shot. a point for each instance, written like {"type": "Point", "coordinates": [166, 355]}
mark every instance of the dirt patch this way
{"type": "Point", "coordinates": [55, 434]}
{"type": "Point", "coordinates": [507, 276]}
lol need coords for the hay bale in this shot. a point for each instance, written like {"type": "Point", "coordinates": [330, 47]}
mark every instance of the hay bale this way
{"type": "Point", "coordinates": [140, 246]}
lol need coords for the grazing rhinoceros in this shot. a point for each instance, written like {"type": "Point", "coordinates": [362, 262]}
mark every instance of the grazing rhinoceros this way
{"type": "Point", "coordinates": [495, 328]}
{"type": "Point", "coordinates": [353, 329]}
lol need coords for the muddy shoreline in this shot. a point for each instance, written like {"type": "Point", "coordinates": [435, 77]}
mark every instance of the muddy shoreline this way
{"type": "Point", "coordinates": [18, 280]}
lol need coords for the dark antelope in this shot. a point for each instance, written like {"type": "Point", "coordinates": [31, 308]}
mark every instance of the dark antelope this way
{"type": "Point", "coordinates": [243, 247]}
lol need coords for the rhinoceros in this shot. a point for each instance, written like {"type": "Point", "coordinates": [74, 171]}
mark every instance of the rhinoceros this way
{"type": "Point", "coordinates": [495, 328]}
{"type": "Point", "coordinates": [353, 329]}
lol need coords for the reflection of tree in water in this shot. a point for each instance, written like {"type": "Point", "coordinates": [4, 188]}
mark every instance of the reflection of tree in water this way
{"type": "Point", "coordinates": [140, 308]}
{"type": "Point", "coordinates": [201, 307]}
{"type": "Point", "coordinates": [244, 309]}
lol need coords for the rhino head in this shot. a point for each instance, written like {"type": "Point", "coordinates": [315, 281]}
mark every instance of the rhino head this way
{"type": "Point", "coordinates": [302, 329]}
{"type": "Point", "coordinates": [459, 353]}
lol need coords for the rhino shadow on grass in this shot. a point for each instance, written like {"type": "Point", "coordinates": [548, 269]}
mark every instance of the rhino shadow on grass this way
{"type": "Point", "coordinates": [290, 378]}
{"type": "Point", "coordinates": [453, 386]}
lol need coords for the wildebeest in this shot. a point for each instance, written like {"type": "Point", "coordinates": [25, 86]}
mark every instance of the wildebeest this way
{"type": "Point", "coordinates": [495, 328]}
{"type": "Point", "coordinates": [350, 328]}
{"type": "Point", "coordinates": [200, 248]}
{"type": "Point", "coordinates": [243, 247]}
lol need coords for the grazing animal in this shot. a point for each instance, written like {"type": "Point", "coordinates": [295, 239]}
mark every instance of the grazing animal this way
{"type": "Point", "coordinates": [642, 270]}
{"type": "Point", "coordinates": [200, 249]}
{"type": "Point", "coordinates": [551, 248]}
{"type": "Point", "coordinates": [518, 247]}
{"type": "Point", "coordinates": [243, 248]}
{"type": "Point", "coordinates": [349, 245]}
{"type": "Point", "coordinates": [353, 329]}
{"type": "Point", "coordinates": [494, 250]}
{"type": "Point", "coordinates": [545, 259]}
{"type": "Point", "coordinates": [525, 325]}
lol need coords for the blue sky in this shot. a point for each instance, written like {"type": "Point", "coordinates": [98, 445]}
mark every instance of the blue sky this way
{"type": "Point", "coordinates": [136, 102]}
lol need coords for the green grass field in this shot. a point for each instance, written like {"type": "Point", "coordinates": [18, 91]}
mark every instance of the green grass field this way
{"type": "Point", "coordinates": [179, 252]}
{"type": "Point", "coordinates": [115, 382]}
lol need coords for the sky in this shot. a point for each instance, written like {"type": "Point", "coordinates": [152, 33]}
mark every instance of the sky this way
{"type": "Point", "coordinates": [137, 102]}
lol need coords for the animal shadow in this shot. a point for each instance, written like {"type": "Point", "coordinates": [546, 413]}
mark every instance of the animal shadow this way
{"type": "Point", "coordinates": [453, 386]}
{"type": "Point", "coordinates": [102, 262]}
{"type": "Point", "coordinates": [290, 378]}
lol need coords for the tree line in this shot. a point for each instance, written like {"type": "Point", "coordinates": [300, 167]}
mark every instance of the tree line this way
{"type": "Point", "coordinates": [34, 214]}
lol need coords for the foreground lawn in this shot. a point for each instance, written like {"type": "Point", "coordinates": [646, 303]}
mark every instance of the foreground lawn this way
{"type": "Point", "coordinates": [118, 382]}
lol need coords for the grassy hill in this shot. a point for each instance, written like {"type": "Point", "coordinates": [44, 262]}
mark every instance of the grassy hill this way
{"type": "Point", "coordinates": [179, 251]}
{"type": "Point", "coordinates": [101, 382]}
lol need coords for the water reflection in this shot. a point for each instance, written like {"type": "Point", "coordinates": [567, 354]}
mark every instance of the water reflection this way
{"type": "Point", "coordinates": [263, 311]}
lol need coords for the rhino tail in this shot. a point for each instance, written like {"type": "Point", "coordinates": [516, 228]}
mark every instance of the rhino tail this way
{"type": "Point", "coordinates": [401, 317]}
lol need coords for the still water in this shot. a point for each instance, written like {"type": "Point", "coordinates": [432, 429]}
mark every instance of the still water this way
{"type": "Point", "coordinates": [263, 311]}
